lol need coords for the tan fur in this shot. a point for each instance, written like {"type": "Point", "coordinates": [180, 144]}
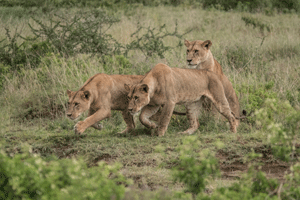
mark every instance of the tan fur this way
{"type": "Point", "coordinates": [199, 56]}
{"type": "Point", "coordinates": [100, 94]}
{"type": "Point", "coordinates": [165, 86]}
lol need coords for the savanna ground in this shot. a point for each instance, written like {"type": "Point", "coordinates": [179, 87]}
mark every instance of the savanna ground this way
{"type": "Point", "coordinates": [260, 62]}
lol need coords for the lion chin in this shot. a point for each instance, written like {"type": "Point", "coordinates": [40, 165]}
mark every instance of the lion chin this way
{"type": "Point", "coordinates": [134, 113]}
{"type": "Point", "coordinates": [190, 66]}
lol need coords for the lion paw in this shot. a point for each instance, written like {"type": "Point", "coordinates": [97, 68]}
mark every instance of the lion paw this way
{"type": "Point", "coordinates": [127, 130]}
{"type": "Point", "coordinates": [78, 128]}
{"type": "Point", "coordinates": [98, 126]}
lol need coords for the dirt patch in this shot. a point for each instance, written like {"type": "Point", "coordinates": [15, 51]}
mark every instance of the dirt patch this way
{"type": "Point", "coordinates": [232, 166]}
{"type": "Point", "coordinates": [103, 157]}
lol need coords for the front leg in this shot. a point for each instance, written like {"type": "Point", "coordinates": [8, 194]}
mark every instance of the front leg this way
{"type": "Point", "coordinates": [146, 114]}
{"type": "Point", "coordinates": [166, 114]}
{"type": "Point", "coordinates": [192, 112]}
{"type": "Point", "coordinates": [97, 125]}
{"type": "Point", "coordinates": [99, 115]}
{"type": "Point", "coordinates": [128, 118]}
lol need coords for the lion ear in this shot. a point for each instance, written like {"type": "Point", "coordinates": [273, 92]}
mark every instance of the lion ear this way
{"type": "Point", "coordinates": [145, 88]}
{"type": "Point", "coordinates": [206, 44]}
{"type": "Point", "coordinates": [86, 94]}
{"type": "Point", "coordinates": [69, 92]}
{"type": "Point", "coordinates": [186, 43]}
{"type": "Point", "coordinates": [127, 87]}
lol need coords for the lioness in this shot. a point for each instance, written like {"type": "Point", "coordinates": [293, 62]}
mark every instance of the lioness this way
{"type": "Point", "coordinates": [100, 94]}
{"type": "Point", "coordinates": [199, 56]}
{"type": "Point", "coordinates": [165, 86]}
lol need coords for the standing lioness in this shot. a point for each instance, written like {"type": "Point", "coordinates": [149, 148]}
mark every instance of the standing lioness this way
{"type": "Point", "coordinates": [165, 86]}
{"type": "Point", "coordinates": [199, 56]}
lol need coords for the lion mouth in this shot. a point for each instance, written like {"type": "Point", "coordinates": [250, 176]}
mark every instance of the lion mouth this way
{"type": "Point", "coordinates": [192, 66]}
{"type": "Point", "coordinates": [134, 113]}
{"type": "Point", "coordinates": [74, 118]}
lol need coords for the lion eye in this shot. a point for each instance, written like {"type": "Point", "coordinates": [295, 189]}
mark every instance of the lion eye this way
{"type": "Point", "coordinates": [196, 51]}
{"type": "Point", "coordinates": [76, 104]}
{"type": "Point", "coordinates": [187, 50]}
{"type": "Point", "coordinates": [136, 97]}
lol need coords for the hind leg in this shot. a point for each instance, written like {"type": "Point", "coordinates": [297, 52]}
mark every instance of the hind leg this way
{"type": "Point", "coordinates": [220, 102]}
{"type": "Point", "coordinates": [192, 112]}
{"type": "Point", "coordinates": [146, 114]}
{"type": "Point", "coordinates": [225, 110]}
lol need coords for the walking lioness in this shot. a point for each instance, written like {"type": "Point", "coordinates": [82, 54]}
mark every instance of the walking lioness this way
{"type": "Point", "coordinates": [165, 86]}
{"type": "Point", "coordinates": [100, 94]}
{"type": "Point", "coordinates": [199, 56]}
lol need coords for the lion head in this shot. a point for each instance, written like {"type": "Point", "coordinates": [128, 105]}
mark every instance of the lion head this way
{"type": "Point", "coordinates": [197, 52]}
{"type": "Point", "coordinates": [138, 97]}
{"type": "Point", "coordinates": [78, 103]}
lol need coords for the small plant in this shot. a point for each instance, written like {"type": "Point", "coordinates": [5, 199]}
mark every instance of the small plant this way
{"type": "Point", "coordinates": [195, 167]}
{"type": "Point", "coordinates": [281, 135]}
{"type": "Point", "coordinates": [253, 97]}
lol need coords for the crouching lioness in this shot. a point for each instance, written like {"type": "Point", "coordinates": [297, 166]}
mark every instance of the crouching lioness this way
{"type": "Point", "coordinates": [165, 86]}
{"type": "Point", "coordinates": [100, 94]}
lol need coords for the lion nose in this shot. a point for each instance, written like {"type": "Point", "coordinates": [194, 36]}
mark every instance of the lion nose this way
{"type": "Point", "coordinates": [189, 61]}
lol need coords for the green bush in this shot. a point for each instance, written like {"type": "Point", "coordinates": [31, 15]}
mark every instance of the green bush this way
{"type": "Point", "coordinates": [151, 41]}
{"type": "Point", "coordinates": [281, 134]}
{"type": "Point", "coordinates": [28, 176]}
{"type": "Point", "coordinates": [17, 55]}
{"type": "Point", "coordinates": [194, 168]}
{"type": "Point", "coordinates": [253, 185]}
{"type": "Point", "coordinates": [254, 96]}
{"type": "Point", "coordinates": [86, 32]}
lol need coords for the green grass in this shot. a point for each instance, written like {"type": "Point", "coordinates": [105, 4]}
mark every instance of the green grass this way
{"type": "Point", "coordinates": [33, 100]}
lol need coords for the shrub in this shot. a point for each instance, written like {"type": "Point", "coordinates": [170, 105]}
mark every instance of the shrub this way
{"type": "Point", "coordinates": [86, 32]}
{"type": "Point", "coordinates": [18, 55]}
{"type": "Point", "coordinates": [281, 135]}
{"type": "Point", "coordinates": [28, 176]}
{"type": "Point", "coordinates": [151, 41]}
{"type": "Point", "coordinates": [194, 168]}
{"type": "Point", "coordinates": [254, 96]}
{"type": "Point", "coordinates": [253, 185]}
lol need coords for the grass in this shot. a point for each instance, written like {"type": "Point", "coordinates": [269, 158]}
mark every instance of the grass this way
{"type": "Point", "coordinates": [29, 98]}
